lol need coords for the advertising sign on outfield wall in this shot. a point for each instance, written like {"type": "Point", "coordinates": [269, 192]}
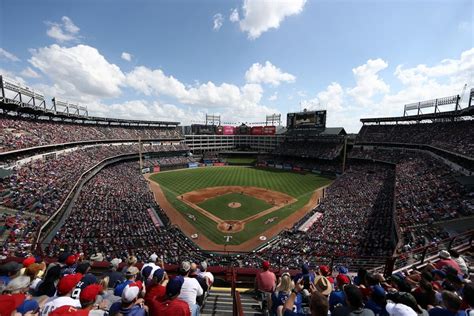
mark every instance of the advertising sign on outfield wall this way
{"type": "Point", "coordinates": [192, 165]}
{"type": "Point", "coordinates": [257, 130]}
{"type": "Point", "coordinates": [146, 170]}
{"type": "Point", "coordinates": [279, 166]}
{"type": "Point", "coordinates": [156, 169]}
{"type": "Point", "coordinates": [228, 130]}
{"type": "Point", "coordinates": [219, 164]}
{"type": "Point", "coordinates": [269, 130]}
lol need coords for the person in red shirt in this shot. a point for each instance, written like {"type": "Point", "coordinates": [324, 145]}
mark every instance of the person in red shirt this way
{"type": "Point", "coordinates": [172, 305]}
{"type": "Point", "coordinates": [265, 280]}
{"type": "Point", "coordinates": [156, 290]}
{"type": "Point", "coordinates": [16, 290]}
{"type": "Point", "coordinates": [446, 260]}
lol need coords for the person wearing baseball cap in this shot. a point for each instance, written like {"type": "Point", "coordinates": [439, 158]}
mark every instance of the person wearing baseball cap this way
{"type": "Point", "coordinates": [115, 276]}
{"type": "Point", "coordinates": [130, 277]}
{"type": "Point", "coordinates": [266, 279]}
{"type": "Point", "coordinates": [156, 289]}
{"type": "Point", "coordinates": [14, 295]}
{"type": "Point", "coordinates": [87, 298]}
{"type": "Point", "coordinates": [130, 304]}
{"type": "Point", "coordinates": [153, 262]}
{"type": "Point", "coordinates": [338, 297]}
{"type": "Point", "coordinates": [63, 291]}
{"type": "Point", "coordinates": [190, 289]}
{"type": "Point", "coordinates": [446, 260]}
{"type": "Point", "coordinates": [171, 305]}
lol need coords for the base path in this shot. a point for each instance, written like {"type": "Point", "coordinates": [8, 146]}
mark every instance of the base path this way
{"type": "Point", "coordinates": [180, 220]}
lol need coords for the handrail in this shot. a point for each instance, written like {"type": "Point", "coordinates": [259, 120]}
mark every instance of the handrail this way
{"type": "Point", "coordinates": [237, 309]}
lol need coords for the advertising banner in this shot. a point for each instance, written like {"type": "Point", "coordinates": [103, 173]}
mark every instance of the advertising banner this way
{"type": "Point", "coordinates": [287, 167]}
{"type": "Point", "coordinates": [269, 130]}
{"type": "Point", "coordinates": [192, 164]}
{"type": "Point", "coordinates": [228, 130]}
{"type": "Point", "coordinates": [146, 170]}
{"type": "Point", "coordinates": [219, 164]}
{"type": "Point", "coordinates": [316, 171]}
{"type": "Point", "coordinates": [156, 169]}
{"type": "Point", "coordinates": [279, 166]}
{"type": "Point", "coordinates": [296, 169]}
{"type": "Point", "coordinates": [257, 130]}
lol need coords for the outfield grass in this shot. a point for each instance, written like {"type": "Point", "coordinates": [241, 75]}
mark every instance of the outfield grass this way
{"type": "Point", "coordinates": [219, 206]}
{"type": "Point", "coordinates": [299, 186]}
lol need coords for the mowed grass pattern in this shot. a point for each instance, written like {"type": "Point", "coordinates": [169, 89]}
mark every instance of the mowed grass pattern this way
{"type": "Point", "coordinates": [219, 206]}
{"type": "Point", "coordinates": [175, 183]}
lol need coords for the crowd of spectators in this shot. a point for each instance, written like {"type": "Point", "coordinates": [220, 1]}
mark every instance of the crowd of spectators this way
{"type": "Point", "coordinates": [69, 286]}
{"type": "Point", "coordinates": [310, 148]}
{"type": "Point", "coordinates": [41, 185]}
{"type": "Point", "coordinates": [452, 136]}
{"type": "Point", "coordinates": [174, 161]}
{"type": "Point", "coordinates": [357, 219]}
{"type": "Point", "coordinates": [111, 216]}
{"type": "Point", "coordinates": [18, 133]}
{"type": "Point", "coordinates": [426, 192]}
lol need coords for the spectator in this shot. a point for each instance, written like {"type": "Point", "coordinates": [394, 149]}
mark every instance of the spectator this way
{"type": "Point", "coordinates": [355, 303]}
{"type": "Point", "coordinates": [64, 290]}
{"type": "Point", "coordinates": [14, 295]}
{"type": "Point", "coordinates": [131, 304]}
{"type": "Point", "coordinates": [130, 277]}
{"type": "Point", "coordinates": [172, 305]}
{"type": "Point", "coordinates": [451, 306]}
{"type": "Point", "coordinates": [156, 289]}
{"type": "Point", "coordinates": [115, 277]}
{"type": "Point", "coordinates": [190, 289]}
{"type": "Point", "coordinates": [446, 260]}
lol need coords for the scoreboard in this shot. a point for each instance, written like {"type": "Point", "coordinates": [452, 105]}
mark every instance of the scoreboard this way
{"type": "Point", "coordinates": [306, 119]}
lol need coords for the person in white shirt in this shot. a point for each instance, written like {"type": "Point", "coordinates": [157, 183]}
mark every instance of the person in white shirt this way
{"type": "Point", "coordinates": [190, 289]}
{"type": "Point", "coordinates": [63, 294]}
{"type": "Point", "coordinates": [206, 274]}
{"type": "Point", "coordinates": [153, 263]}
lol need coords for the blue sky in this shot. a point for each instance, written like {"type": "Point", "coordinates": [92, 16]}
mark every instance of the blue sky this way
{"type": "Point", "coordinates": [178, 60]}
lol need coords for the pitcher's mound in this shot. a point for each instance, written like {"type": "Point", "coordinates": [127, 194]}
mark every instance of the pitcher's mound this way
{"type": "Point", "coordinates": [234, 205]}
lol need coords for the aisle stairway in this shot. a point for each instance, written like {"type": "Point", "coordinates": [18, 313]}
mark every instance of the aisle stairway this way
{"type": "Point", "coordinates": [219, 302]}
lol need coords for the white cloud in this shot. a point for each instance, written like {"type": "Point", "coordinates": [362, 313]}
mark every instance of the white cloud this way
{"type": "Point", "coordinates": [273, 97]}
{"type": "Point", "coordinates": [218, 20]}
{"type": "Point", "coordinates": [63, 32]}
{"type": "Point", "coordinates": [78, 72]}
{"type": "Point", "coordinates": [368, 82]}
{"type": "Point", "coordinates": [208, 94]}
{"type": "Point", "coordinates": [4, 54]}
{"type": "Point", "coordinates": [260, 16]}
{"type": "Point", "coordinates": [30, 73]}
{"type": "Point", "coordinates": [270, 74]}
{"type": "Point", "coordinates": [234, 16]}
{"type": "Point", "coordinates": [126, 56]}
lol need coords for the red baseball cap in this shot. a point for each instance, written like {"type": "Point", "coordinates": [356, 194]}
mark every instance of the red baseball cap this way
{"type": "Point", "coordinates": [68, 282]}
{"type": "Point", "coordinates": [266, 264]}
{"type": "Point", "coordinates": [90, 292]}
{"type": "Point", "coordinates": [71, 260]}
{"type": "Point", "coordinates": [343, 279]}
{"type": "Point", "coordinates": [29, 261]}
{"type": "Point", "coordinates": [324, 270]}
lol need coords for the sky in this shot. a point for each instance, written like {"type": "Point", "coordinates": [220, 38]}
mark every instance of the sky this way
{"type": "Point", "coordinates": [241, 59]}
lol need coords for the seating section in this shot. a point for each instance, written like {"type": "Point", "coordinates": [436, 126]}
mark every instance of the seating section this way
{"type": "Point", "coordinates": [426, 192]}
{"type": "Point", "coordinates": [313, 148]}
{"type": "Point", "coordinates": [452, 136]}
{"type": "Point", "coordinates": [112, 215]}
{"type": "Point", "coordinates": [19, 133]}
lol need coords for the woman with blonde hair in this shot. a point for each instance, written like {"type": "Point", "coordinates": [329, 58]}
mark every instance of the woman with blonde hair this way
{"type": "Point", "coordinates": [281, 294]}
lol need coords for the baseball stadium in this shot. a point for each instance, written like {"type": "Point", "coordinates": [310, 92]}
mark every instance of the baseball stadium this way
{"type": "Point", "coordinates": [111, 210]}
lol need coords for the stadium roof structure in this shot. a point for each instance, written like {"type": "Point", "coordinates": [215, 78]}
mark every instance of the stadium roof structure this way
{"type": "Point", "coordinates": [15, 97]}
{"type": "Point", "coordinates": [334, 131]}
{"type": "Point", "coordinates": [431, 116]}
{"type": "Point", "coordinates": [435, 115]}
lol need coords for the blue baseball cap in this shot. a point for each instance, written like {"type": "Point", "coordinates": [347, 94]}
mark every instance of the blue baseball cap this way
{"type": "Point", "coordinates": [173, 287]}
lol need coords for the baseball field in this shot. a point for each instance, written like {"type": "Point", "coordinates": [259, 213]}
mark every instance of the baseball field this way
{"type": "Point", "coordinates": [239, 206]}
